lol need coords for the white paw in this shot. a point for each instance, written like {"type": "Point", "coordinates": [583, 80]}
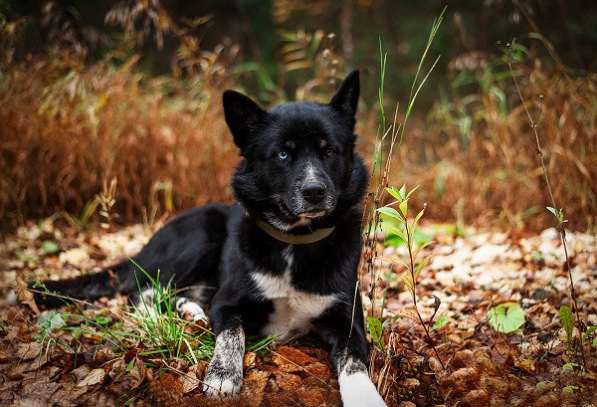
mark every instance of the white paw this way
{"type": "Point", "coordinates": [222, 384]}
{"type": "Point", "coordinates": [145, 307]}
{"type": "Point", "coordinates": [191, 309]}
{"type": "Point", "coordinates": [357, 390]}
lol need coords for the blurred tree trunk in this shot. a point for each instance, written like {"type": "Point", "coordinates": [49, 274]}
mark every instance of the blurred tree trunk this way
{"type": "Point", "coordinates": [346, 31]}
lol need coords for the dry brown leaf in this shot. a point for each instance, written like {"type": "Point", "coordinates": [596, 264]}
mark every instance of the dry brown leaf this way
{"type": "Point", "coordinates": [316, 397]}
{"type": "Point", "coordinates": [25, 296]}
{"type": "Point", "coordinates": [81, 372]}
{"type": "Point", "coordinates": [189, 382]}
{"type": "Point", "coordinates": [137, 374]}
{"type": "Point", "coordinates": [253, 388]}
{"type": "Point", "coordinates": [476, 398]}
{"type": "Point", "coordinates": [528, 365]}
{"type": "Point", "coordinates": [117, 369]}
{"type": "Point", "coordinates": [288, 381]}
{"type": "Point", "coordinates": [291, 359]}
{"type": "Point", "coordinates": [463, 358]}
{"type": "Point", "coordinates": [411, 383]}
{"type": "Point", "coordinates": [69, 395]}
{"type": "Point", "coordinates": [96, 376]}
{"type": "Point", "coordinates": [319, 370]}
{"type": "Point", "coordinates": [38, 389]}
{"type": "Point", "coordinates": [461, 378]}
{"type": "Point", "coordinates": [28, 351]}
{"type": "Point", "coordinates": [167, 389]}
{"type": "Point", "coordinates": [249, 360]}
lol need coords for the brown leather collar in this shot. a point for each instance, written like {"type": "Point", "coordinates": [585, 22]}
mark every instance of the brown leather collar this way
{"type": "Point", "coordinates": [314, 236]}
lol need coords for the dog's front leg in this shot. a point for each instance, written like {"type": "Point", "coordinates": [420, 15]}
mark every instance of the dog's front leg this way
{"type": "Point", "coordinates": [224, 375]}
{"type": "Point", "coordinates": [349, 352]}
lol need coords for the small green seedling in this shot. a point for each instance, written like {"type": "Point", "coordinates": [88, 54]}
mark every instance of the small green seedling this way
{"type": "Point", "coordinates": [440, 322]}
{"type": "Point", "coordinates": [567, 321]}
{"type": "Point", "coordinates": [506, 318]}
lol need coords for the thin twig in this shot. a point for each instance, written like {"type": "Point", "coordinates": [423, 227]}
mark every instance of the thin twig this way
{"type": "Point", "coordinates": [414, 293]}
{"type": "Point", "coordinates": [560, 227]}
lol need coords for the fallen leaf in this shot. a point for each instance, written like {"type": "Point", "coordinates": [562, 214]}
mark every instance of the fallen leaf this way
{"type": "Point", "coordinates": [189, 382]}
{"type": "Point", "coordinates": [28, 351]}
{"type": "Point", "coordinates": [528, 365]}
{"type": "Point", "coordinates": [319, 370]}
{"type": "Point", "coordinates": [249, 360]}
{"type": "Point", "coordinates": [315, 397]}
{"type": "Point", "coordinates": [137, 373]}
{"type": "Point", "coordinates": [461, 378]}
{"type": "Point", "coordinates": [25, 296]}
{"type": "Point", "coordinates": [40, 389]}
{"type": "Point", "coordinates": [476, 398]}
{"type": "Point", "coordinates": [4, 356]}
{"type": "Point", "coordinates": [290, 359]}
{"type": "Point", "coordinates": [253, 388]}
{"type": "Point", "coordinates": [81, 372]}
{"type": "Point", "coordinates": [95, 376]}
{"type": "Point", "coordinates": [411, 383]}
{"type": "Point", "coordinates": [288, 381]}
{"type": "Point", "coordinates": [167, 390]}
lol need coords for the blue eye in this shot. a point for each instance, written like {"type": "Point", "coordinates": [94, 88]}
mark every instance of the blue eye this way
{"type": "Point", "coordinates": [282, 155]}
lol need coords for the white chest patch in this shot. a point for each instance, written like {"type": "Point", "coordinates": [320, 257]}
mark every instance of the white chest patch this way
{"type": "Point", "coordinates": [293, 309]}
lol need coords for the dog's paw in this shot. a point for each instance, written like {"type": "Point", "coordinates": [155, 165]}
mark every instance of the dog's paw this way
{"type": "Point", "coordinates": [357, 390]}
{"type": "Point", "coordinates": [222, 383]}
{"type": "Point", "coordinates": [191, 310]}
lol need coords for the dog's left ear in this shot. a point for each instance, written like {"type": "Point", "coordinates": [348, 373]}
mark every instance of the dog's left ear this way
{"type": "Point", "coordinates": [346, 98]}
{"type": "Point", "coordinates": [243, 116]}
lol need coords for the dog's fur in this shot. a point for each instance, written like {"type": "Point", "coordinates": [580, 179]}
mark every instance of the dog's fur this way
{"type": "Point", "coordinates": [299, 174]}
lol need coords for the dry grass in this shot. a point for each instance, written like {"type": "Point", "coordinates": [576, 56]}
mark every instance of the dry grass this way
{"type": "Point", "coordinates": [490, 174]}
{"type": "Point", "coordinates": [68, 129]}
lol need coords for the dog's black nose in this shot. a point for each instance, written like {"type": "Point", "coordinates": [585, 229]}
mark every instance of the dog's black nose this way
{"type": "Point", "coordinates": [313, 192]}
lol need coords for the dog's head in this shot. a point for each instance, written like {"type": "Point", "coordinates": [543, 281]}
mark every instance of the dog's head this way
{"type": "Point", "coordinates": [299, 166]}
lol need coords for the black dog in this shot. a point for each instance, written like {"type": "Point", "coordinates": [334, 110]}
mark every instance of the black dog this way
{"type": "Point", "coordinates": [283, 260]}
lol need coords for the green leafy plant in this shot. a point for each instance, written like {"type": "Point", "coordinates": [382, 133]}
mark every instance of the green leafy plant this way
{"type": "Point", "coordinates": [49, 247]}
{"type": "Point", "coordinates": [47, 324]}
{"type": "Point", "coordinates": [375, 329]}
{"type": "Point", "coordinates": [395, 219]}
{"type": "Point", "coordinates": [570, 389]}
{"type": "Point", "coordinates": [570, 367]}
{"type": "Point", "coordinates": [567, 321]}
{"type": "Point", "coordinates": [590, 335]}
{"type": "Point", "coordinates": [441, 321]}
{"type": "Point", "coordinates": [82, 220]}
{"type": "Point", "coordinates": [396, 222]}
{"type": "Point", "coordinates": [159, 327]}
{"type": "Point", "coordinates": [506, 318]}
{"type": "Point", "coordinates": [388, 139]}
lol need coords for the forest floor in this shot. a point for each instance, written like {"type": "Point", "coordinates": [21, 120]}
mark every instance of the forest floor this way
{"type": "Point", "coordinates": [99, 354]}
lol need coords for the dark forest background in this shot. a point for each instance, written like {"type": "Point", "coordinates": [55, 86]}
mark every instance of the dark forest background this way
{"type": "Point", "coordinates": [261, 28]}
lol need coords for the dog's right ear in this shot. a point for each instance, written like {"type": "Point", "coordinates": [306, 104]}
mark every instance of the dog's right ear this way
{"type": "Point", "coordinates": [243, 117]}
